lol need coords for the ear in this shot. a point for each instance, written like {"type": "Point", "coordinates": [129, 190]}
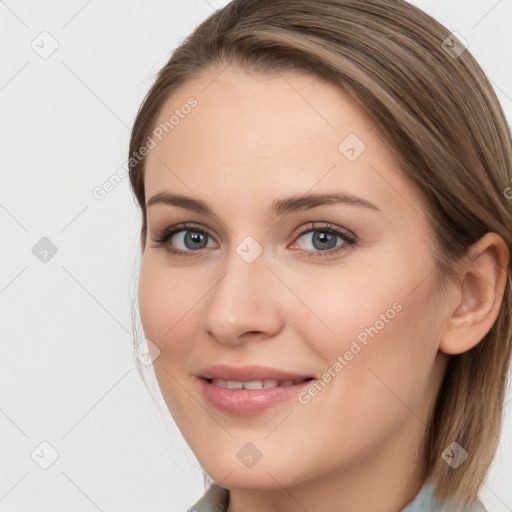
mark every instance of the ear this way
{"type": "Point", "coordinates": [479, 296]}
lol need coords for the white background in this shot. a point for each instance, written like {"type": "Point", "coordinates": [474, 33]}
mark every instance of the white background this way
{"type": "Point", "coordinates": [67, 371]}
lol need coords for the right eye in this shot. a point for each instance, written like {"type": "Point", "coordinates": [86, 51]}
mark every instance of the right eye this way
{"type": "Point", "coordinates": [191, 240]}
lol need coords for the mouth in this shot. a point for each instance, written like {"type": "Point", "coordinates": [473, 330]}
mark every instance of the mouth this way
{"type": "Point", "coordinates": [249, 390]}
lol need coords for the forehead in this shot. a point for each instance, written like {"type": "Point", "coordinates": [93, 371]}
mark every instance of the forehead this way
{"type": "Point", "coordinates": [251, 133]}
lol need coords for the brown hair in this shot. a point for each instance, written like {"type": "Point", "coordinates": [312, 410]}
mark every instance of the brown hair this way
{"type": "Point", "coordinates": [440, 116]}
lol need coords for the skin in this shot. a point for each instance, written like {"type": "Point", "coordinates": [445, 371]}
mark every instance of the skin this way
{"type": "Point", "coordinates": [355, 446]}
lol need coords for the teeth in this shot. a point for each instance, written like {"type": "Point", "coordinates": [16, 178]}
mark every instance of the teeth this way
{"type": "Point", "coordinates": [255, 384]}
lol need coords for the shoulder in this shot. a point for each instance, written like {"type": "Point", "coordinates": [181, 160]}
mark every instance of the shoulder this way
{"type": "Point", "coordinates": [427, 501]}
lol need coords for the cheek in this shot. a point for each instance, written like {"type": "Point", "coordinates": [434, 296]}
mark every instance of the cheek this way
{"type": "Point", "coordinates": [384, 299]}
{"type": "Point", "coordinates": [152, 300]}
{"type": "Point", "coordinates": [381, 323]}
{"type": "Point", "coordinates": [166, 305]}
{"type": "Point", "coordinates": [336, 307]}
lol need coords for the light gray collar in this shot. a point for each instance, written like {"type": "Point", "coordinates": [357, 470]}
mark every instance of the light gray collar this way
{"type": "Point", "coordinates": [216, 499]}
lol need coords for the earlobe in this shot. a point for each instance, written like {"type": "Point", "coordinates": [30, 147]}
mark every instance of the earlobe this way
{"type": "Point", "coordinates": [483, 279]}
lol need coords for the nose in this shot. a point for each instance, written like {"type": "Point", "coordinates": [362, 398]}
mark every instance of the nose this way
{"type": "Point", "coordinates": [244, 304]}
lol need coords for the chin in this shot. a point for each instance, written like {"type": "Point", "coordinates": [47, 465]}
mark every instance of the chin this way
{"type": "Point", "coordinates": [233, 474]}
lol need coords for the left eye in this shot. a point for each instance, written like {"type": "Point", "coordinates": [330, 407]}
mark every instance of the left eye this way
{"type": "Point", "coordinates": [320, 240]}
{"type": "Point", "coordinates": [325, 239]}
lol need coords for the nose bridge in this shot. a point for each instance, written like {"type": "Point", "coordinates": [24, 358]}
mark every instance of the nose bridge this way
{"type": "Point", "coordinates": [240, 301]}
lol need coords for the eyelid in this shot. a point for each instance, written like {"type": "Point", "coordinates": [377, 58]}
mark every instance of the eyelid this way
{"type": "Point", "coordinates": [313, 226]}
{"type": "Point", "coordinates": [184, 226]}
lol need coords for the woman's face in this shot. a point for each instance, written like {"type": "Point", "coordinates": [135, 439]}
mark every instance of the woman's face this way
{"type": "Point", "coordinates": [287, 276]}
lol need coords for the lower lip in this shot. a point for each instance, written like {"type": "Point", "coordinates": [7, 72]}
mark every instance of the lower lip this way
{"type": "Point", "coordinates": [247, 402]}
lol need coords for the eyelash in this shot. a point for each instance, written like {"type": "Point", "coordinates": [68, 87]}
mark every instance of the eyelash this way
{"type": "Point", "coordinates": [163, 237]}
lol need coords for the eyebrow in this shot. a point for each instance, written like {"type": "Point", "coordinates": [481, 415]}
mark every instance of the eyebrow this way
{"type": "Point", "coordinates": [279, 207]}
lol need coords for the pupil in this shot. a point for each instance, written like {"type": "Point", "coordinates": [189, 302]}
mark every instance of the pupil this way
{"type": "Point", "coordinates": [323, 237]}
{"type": "Point", "coordinates": [196, 238]}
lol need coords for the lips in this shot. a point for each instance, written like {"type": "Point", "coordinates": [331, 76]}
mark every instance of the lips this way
{"type": "Point", "coordinates": [250, 389]}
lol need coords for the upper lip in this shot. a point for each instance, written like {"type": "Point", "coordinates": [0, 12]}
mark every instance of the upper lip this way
{"type": "Point", "coordinates": [248, 373]}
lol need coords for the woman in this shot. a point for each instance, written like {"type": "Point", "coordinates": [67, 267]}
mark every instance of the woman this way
{"type": "Point", "coordinates": [326, 235]}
